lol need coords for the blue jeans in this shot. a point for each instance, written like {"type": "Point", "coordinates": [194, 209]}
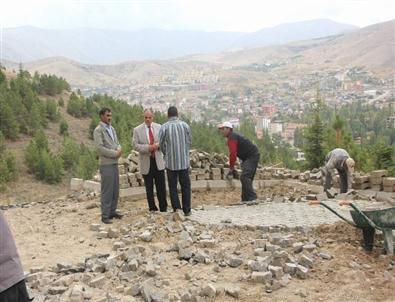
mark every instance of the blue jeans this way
{"type": "Point", "coordinates": [173, 176]}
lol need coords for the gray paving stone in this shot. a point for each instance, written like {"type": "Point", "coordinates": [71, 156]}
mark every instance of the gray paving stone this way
{"type": "Point", "coordinates": [271, 215]}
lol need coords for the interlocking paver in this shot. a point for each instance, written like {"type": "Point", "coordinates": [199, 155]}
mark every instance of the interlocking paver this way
{"type": "Point", "coordinates": [271, 214]}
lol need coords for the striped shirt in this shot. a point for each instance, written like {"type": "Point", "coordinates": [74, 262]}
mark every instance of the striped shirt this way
{"type": "Point", "coordinates": [175, 139]}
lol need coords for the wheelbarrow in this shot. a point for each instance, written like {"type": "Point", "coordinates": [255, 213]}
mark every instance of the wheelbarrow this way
{"type": "Point", "coordinates": [368, 221]}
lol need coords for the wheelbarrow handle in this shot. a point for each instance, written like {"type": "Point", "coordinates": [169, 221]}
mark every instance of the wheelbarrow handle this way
{"type": "Point", "coordinates": [371, 223]}
{"type": "Point", "coordinates": [316, 202]}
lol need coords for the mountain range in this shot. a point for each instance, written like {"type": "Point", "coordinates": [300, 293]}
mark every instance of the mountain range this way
{"type": "Point", "coordinates": [102, 46]}
{"type": "Point", "coordinates": [370, 47]}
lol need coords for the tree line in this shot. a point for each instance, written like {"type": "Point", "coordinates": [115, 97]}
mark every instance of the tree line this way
{"type": "Point", "coordinates": [329, 128]}
{"type": "Point", "coordinates": [27, 110]}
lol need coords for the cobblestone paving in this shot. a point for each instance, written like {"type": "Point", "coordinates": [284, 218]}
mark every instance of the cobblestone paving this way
{"type": "Point", "coordinates": [291, 215]}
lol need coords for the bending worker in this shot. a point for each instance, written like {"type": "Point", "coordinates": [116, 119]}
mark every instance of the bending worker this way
{"type": "Point", "coordinates": [340, 160]}
{"type": "Point", "coordinates": [241, 147]}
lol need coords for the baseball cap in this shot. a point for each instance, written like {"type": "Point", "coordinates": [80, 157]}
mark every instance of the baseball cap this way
{"type": "Point", "coordinates": [350, 164]}
{"type": "Point", "coordinates": [225, 125]}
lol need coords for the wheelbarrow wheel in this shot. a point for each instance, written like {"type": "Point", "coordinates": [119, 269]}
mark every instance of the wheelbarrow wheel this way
{"type": "Point", "coordinates": [368, 238]}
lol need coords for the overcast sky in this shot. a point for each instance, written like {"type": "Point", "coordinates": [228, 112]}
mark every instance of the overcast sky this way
{"type": "Point", "coordinates": [209, 15]}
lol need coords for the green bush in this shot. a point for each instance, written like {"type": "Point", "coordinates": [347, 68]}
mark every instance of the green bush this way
{"type": "Point", "coordinates": [41, 162]}
{"type": "Point", "coordinates": [70, 154]}
{"type": "Point", "coordinates": [79, 160]}
{"type": "Point", "coordinates": [7, 164]}
{"type": "Point", "coordinates": [77, 106]}
{"type": "Point", "coordinates": [52, 111]}
{"type": "Point", "coordinates": [87, 163]}
{"type": "Point", "coordinates": [63, 127]}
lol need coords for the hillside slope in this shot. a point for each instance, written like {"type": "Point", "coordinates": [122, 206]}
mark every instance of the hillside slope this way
{"type": "Point", "coordinates": [26, 188]}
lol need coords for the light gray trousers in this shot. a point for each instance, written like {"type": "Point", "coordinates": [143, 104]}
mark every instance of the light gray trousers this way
{"type": "Point", "coordinates": [109, 189]}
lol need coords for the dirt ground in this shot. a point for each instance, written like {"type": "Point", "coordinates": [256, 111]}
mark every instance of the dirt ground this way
{"type": "Point", "coordinates": [59, 232]}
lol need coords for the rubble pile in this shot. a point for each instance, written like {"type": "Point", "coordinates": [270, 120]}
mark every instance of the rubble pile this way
{"type": "Point", "coordinates": [145, 254]}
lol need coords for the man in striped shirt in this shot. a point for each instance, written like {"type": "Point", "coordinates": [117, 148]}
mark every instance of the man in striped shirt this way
{"type": "Point", "coordinates": [174, 141]}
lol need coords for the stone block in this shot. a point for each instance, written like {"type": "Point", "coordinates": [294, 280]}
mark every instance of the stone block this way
{"type": "Point", "coordinates": [389, 189]}
{"type": "Point", "coordinates": [233, 291]}
{"type": "Point", "coordinates": [379, 173]}
{"type": "Point", "coordinates": [309, 247]}
{"type": "Point", "coordinates": [261, 277]}
{"type": "Point", "coordinates": [133, 290]}
{"type": "Point", "coordinates": [361, 179]}
{"type": "Point", "coordinates": [97, 282]}
{"type": "Point", "coordinates": [376, 180]}
{"type": "Point", "coordinates": [217, 185]}
{"type": "Point", "coordinates": [306, 261]}
{"type": "Point", "coordinates": [260, 243]}
{"type": "Point", "coordinates": [302, 272]}
{"type": "Point", "coordinates": [199, 186]}
{"type": "Point", "coordinates": [235, 261]}
{"type": "Point", "coordinates": [146, 236]}
{"type": "Point", "coordinates": [92, 186]}
{"type": "Point", "coordinates": [389, 181]}
{"type": "Point", "coordinates": [376, 187]}
{"type": "Point", "coordinates": [57, 290]}
{"type": "Point", "coordinates": [297, 247]}
{"type": "Point", "coordinates": [209, 291]}
{"type": "Point", "coordinates": [362, 186]}
{"type": "Point", "coordinates": [277, 271]}
{"type": "Point", "coordinates": [76, 184]}
{"type": "Point", "coordinates": [290, 268]}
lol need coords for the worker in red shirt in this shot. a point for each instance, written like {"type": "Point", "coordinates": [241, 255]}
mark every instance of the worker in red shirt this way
{"type": "Point", "coordinates": [248, 153]}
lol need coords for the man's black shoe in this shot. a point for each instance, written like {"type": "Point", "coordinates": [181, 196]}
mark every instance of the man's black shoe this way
{"type": "Point", "coordinates": [187, 213]}
{"type": "Point", "coordinates": [106, 220]}
{"type": "Point", "coordinates": [116, 216]}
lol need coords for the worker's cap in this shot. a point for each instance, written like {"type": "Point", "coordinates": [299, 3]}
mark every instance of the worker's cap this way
{"type": "Point", "coordinates": [350, 163]}
{"type": "Point", "coordinates": [225, 125]}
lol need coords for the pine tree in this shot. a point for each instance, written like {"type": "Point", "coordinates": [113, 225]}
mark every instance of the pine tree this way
{"type": "Point", "coordinates": [384, 157]}
{"type": "Point", "coordinates": [338, 125]}
{"type": "Point", "coordinates": [314, 136]}
{"type": "Point", "coordinates": [63, 127]}
{"type": "Point", "coordinates": [9, 124]}
{"type": "Point", "coordinates": [7, 164]}
{"type": "Point", "coordinates": [2, 76]}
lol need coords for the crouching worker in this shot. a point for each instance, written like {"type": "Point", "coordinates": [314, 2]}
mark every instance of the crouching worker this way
{"type": "Point", "coordinates": [340, 160]}
{"type": "Point", "coordinates": [12, 279]}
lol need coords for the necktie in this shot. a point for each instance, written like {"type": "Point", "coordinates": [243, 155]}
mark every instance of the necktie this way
{"type": "Point", "coordinates": [151, 139]}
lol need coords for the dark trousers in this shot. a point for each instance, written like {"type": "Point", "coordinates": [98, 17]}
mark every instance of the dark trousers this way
{"type": "Point", "coordinates": [343, 180]}
{"type": "Point", "coordinates": [16, 293]}
{"type": "Point", "coordinates": [248, 169]}
{"type": "Point", "coordinates": [154, 175]}
{"type": "Point", "coordinates": [173, 176]}
{"type": "Point", "coordinates": [109, 189]}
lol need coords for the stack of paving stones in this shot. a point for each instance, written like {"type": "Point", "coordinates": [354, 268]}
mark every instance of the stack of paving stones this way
{"type": "Point", "coordinates": [361, 182]}
{"type": "Point", "coordinates": [143, 265]}
{"type": "Point", "coordinates": [389, 184]}
{"type": "Point", "coordinates": [205, 167]}
{"type": "Point", "coordinates": [376, 179]}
